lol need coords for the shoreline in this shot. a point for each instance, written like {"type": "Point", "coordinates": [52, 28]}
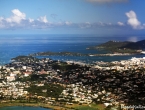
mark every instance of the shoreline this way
{"type": "Point", "coordinates": [81, 54]}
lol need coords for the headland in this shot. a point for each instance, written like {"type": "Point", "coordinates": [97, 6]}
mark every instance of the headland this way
{"type": "Point", "coordinates": [121, 47]}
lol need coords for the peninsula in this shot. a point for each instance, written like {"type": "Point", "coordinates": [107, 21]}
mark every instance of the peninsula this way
{"type": "Point", "coordinates": [121, 47]}
{"type": "Point", "coordinates": [64, 53]}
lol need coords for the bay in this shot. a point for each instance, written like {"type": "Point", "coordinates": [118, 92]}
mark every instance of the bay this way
{"type": "Point", "coordinates": [15, 45]}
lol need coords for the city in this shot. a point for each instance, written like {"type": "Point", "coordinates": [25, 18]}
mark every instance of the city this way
{"type": "Point", "coordinates": [113, 84]}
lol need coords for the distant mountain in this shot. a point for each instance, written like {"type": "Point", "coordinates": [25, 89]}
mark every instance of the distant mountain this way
{"type": "Point", "coordinates": [135, 45]}
{"type": "Point", "coordinates": [113, 44]}
{"type": "Point", "coordinates": [117, 46]}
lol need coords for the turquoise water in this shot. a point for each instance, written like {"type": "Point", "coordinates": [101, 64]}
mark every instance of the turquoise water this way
{"type": "Point", "coordinates": [23, 108]}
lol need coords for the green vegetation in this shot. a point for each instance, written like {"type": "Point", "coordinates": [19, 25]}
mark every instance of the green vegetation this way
{"type": "Point", "coordinates": [113, 44]}
{"type": "Point", "coordinates": [90, 107]}
{"type": "Point", "coordinates": [85, 108]}
{"type": "Point", "coordinates": [57, 54]}
{"type": "Point", "coordinates": [25, 59]}
{"type": "Point", "coordinates": [51, 90]}
{"type": "Point", "coordinates": [121, 47]}
{"type": "Point", "coordinates": [64, 66]}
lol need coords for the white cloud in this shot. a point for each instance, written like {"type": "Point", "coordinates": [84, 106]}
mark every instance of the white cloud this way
{"type": "Point", "coordinates": [132, 20]}
{"type": "Point", "coordinates": [68, 23]}
{"type": "Point", "coordinates": [120, 23]}
{"type": "Point", "coordinates": [85, 25]}
{"type": "Point", "coordinates": [18, 20]}
{"type": "Point", "coordinates": [17, 16]}
{"type": "Point", "coordinates": [1, 18]}
{"type": "Point", "coordinates": [1, 23]}
{"type": "Point", "coordinates": [100, 23]}
{"type": "Point", "coordinates": [31, 20]}
{"type": "Point", "coordinates": [107, 1]}
{"type": "Point", "coordinates": [43, 19]}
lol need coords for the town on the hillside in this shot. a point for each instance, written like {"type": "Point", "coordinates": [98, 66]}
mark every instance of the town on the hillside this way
{"type": "Point", "coordinates": [114, 84]}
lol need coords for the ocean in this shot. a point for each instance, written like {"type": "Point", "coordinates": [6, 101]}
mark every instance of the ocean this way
{"type": "Point", "coordinates": [15, 45]}
{"type": "Point", "coordinates": [23, 108]}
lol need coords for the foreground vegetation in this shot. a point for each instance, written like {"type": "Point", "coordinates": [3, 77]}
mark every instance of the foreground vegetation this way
{"type": "Point", "coordinates": [55, 107]}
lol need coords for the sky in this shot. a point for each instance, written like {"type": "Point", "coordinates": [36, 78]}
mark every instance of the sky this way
{"type": "Point", "coordinates": [106, 17]}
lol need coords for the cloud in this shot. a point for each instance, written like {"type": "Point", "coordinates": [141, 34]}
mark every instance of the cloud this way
{"type": "Point", "coordinates": [17, 16]}
{"type": "Point", "coordinates": [120, 23]}
{"type": "Point", "coordinates": [43, 19]}
{"type": "Point", "coordinates": [31, 20]}
{"type": "Point", "coordinates": [1, 18]}
{"type": "Point", "coordinates": [1, 22]}
{"type": "Point", "coordinates": [133, 21]}
{"type": "Point", "coordinates": [18, 20]}
{"type": "Point", "coordinates": [107, 1]}
{"type": "Point", "coordinates": [109, 23]}
{"type": "Point", "coordinates": [68, 23]}
{"type": "Point", "coordinates": [88, 25]}
{"type": "Point", "coordinates": [85, 25]}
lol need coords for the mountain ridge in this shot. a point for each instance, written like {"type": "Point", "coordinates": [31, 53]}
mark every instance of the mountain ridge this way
{"type": "Point", "coordinates": [119, 46]}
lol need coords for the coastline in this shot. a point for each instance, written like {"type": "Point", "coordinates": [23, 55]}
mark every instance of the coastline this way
{"type": "Point", "coordinates": [81, 54]}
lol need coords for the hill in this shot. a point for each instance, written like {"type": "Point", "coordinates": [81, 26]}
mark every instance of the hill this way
{"type": "Point", "coordinates": [118, 46]}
